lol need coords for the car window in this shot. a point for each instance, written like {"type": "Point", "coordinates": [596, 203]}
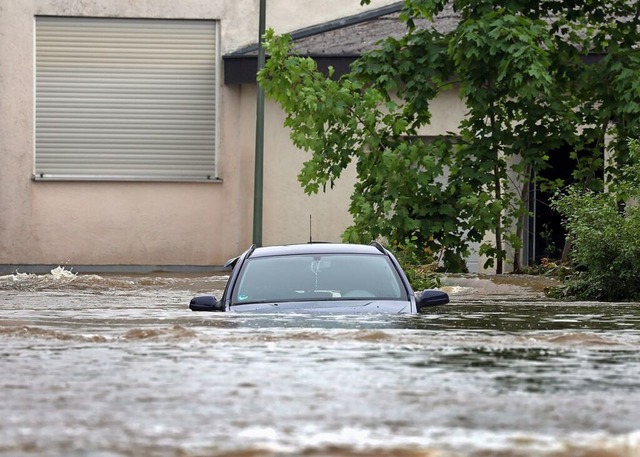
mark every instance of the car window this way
{"type": "Point", "coordinates": [318, 277]}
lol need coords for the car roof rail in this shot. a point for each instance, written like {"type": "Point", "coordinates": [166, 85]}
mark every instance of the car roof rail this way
{"type": "Point", "coordinates": [379, 247]}
{"type": "Point", "coordinates": [251, 249]}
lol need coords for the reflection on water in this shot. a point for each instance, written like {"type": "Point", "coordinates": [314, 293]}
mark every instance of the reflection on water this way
{"type": "Point", "coordinates": [118, 366]}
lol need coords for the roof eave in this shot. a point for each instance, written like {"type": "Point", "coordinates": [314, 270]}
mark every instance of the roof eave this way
{"type": "Point", "coordinates": [241, 66]}
{"type": "Point", "coordinates": [329, 26]}
{"type": "Point", "coordinates": [242, 69]}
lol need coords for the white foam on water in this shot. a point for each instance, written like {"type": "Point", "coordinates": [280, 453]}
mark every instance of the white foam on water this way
{"type": "Point", "coordinates": [446, 442]}
{"type": "Point", "coordinates": [61, 273]}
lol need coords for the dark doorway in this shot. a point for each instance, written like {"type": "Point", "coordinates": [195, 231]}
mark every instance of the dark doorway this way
{"type": "Point", "coordinates": [546, 233]}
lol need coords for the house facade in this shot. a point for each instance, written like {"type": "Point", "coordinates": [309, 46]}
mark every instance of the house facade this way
{"type": "Point", "coordinates": [122, 146]}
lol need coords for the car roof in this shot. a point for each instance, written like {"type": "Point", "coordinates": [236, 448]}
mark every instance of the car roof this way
{"type": "Point", "coordinates": [315, 248]}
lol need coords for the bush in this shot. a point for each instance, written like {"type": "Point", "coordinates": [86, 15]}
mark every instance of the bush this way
{"type": "Point", "coordinates": [604, 228]}
{"type": "Point", "coordinates": [418, 264]}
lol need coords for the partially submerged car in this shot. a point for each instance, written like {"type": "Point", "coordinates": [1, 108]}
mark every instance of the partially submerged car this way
{"type": "Point", "coordinates": [323, 278]}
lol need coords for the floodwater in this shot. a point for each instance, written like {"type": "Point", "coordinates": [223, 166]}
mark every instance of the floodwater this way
{"type": "Point", "coordinates": [106, 366]}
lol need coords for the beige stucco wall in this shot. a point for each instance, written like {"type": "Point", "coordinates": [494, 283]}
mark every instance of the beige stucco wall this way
{"type": "Point", "coordinates": [97, 222]}
{"type": "Point", "coordinates": [290, 214]}
{"type": "Point", "coordinates": [145, 223]}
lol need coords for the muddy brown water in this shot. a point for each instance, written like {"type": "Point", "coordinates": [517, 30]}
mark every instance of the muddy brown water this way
{"type": "Point", "coordinates": [110, 366]}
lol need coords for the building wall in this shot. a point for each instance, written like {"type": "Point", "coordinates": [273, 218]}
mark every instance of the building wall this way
{"type": "Point", "coordinates": [290, 215]}
{"type": "Point", "coordinates": [150, 223]}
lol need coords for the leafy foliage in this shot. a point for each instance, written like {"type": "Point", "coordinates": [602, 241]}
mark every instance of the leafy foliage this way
{"type": "Point", "coordinates": [605, 231]}
{"type": "Point", "coordinates": [529, 84]}
{"type": "Point", "coordinates": [419, 264]}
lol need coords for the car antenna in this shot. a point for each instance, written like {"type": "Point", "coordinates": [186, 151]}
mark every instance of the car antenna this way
{"type": "Point", "coordinates": [310, 232]}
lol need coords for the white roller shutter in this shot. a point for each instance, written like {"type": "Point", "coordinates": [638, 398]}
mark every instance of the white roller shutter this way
{"type": "Point", "coordinates": [125, 99]}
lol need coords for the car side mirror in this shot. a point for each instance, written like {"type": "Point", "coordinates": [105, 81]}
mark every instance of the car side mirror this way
{"type": "Point", "coordinates": [430, 297]}
{"type": "Point", "coordinates": [205, 303]}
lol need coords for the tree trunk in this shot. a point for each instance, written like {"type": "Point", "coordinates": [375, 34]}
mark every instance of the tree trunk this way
{"type": "Point", "coordinates": [498, 193]}
{"type": "Point", "coordinates": [568, 242]}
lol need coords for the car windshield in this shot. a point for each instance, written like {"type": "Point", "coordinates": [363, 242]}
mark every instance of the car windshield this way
{"type": "Point", "coordinates": [318, 277]}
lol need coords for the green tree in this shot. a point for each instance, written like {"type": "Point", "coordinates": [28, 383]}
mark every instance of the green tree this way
{"type": "Point", "coordinates": [522, 68]}
{"type": "Point", "coordinates": [604, 226]}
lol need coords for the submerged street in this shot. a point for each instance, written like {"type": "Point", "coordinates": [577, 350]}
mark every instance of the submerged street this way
{"type": "Point", "coordinates": [106, 366]}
